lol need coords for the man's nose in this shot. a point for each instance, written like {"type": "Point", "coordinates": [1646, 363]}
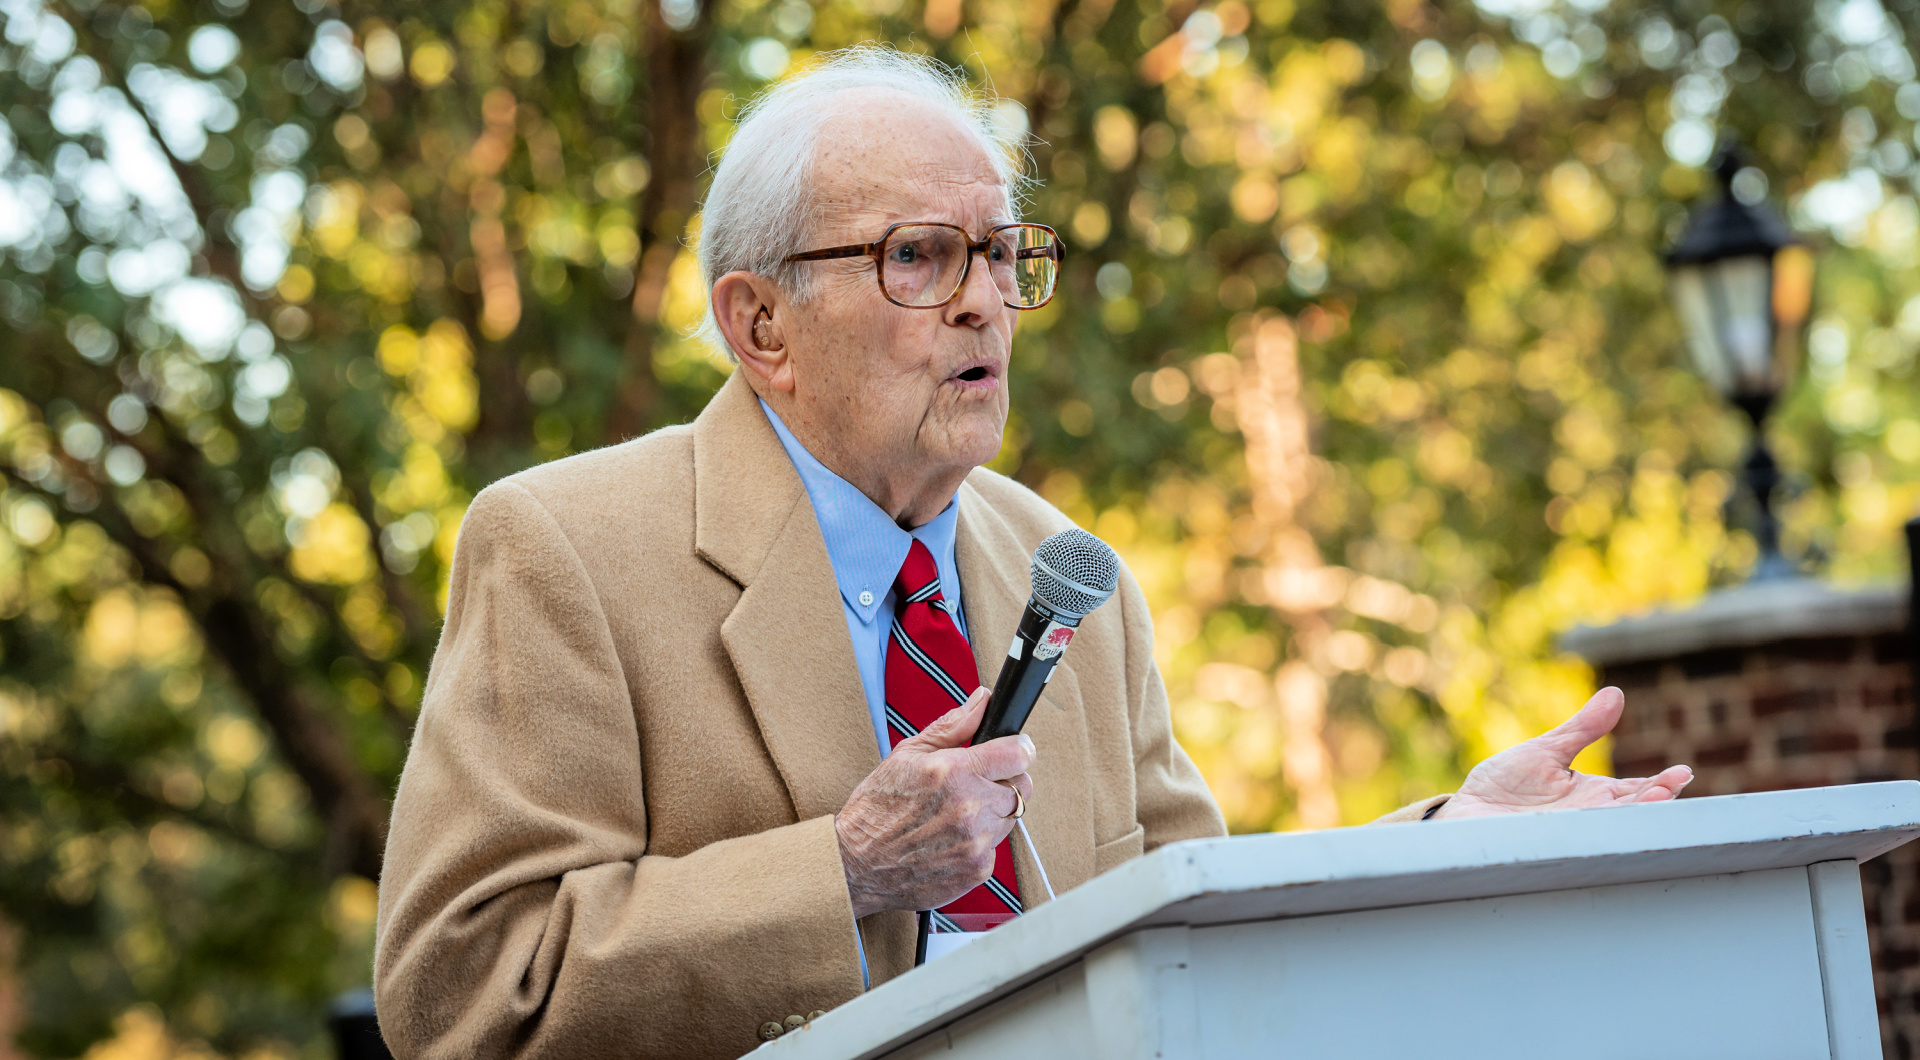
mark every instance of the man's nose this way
{"type": "Point", "coordinates": [979, 298]}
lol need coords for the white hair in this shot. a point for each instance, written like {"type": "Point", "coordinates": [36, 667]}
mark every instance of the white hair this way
{"type": "Point", "coordinates": [761, 206]}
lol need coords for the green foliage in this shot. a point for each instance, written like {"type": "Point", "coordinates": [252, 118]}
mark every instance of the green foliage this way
{"type": "Point", "coordinates": [1361, 357]}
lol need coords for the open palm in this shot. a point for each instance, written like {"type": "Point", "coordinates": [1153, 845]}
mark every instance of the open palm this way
{"type": "Point", "coordinates": [1538, 774]}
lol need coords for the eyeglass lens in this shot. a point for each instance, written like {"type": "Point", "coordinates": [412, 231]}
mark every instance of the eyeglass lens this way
{"type": "Point", "coordinates": [923, 265]}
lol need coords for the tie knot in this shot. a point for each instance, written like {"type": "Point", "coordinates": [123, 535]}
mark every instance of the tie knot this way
{"type": "Point", "coordinates": [919, 577]}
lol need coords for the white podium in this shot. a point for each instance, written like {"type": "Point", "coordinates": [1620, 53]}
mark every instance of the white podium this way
{"type": "Point", "coordinates": [1714, 927]}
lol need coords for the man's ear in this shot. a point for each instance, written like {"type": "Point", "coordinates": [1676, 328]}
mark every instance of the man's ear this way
{"type": "Point", "coordinates": [750, 312]}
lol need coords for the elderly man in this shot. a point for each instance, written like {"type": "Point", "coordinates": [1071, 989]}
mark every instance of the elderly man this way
{"type": "Point", "coordinates": [694, 747]}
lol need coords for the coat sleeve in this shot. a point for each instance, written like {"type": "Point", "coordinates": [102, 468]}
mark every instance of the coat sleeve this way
{"type": "Point", "coordinates": [1170, 796]}
{"type": "Point", "coordinates": [520, 913]}
{"type": "Point", "coordinates": [1413, 811]}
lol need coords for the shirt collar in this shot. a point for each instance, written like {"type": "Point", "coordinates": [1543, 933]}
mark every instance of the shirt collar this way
{"type": "Point", "coordinates": [865, 546]}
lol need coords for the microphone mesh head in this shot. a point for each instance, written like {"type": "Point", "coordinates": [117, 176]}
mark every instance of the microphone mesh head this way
{"type": "Point", "coordinates": [1075, 572]}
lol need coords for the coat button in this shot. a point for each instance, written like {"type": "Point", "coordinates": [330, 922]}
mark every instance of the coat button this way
{"type": "Point", "coordinates": [794, 1021]}
{"type": "Point", "coordinates": [770, 1030]}
{"type": "Point", "coordinates": [816, 1014]}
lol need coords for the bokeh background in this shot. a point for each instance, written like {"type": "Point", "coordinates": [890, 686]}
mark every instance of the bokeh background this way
{"type": "Point", "coordinates": [1362, 358]}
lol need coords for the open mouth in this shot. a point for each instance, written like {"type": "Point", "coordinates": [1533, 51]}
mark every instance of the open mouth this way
{"type": "Point", "coordinates": [982, 374]}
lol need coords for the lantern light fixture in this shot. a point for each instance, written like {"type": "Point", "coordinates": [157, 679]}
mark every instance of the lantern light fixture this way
{"type": "Point", "coordinates": [1742, 284]}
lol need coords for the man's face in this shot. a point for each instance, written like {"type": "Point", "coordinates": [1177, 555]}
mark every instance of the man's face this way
{"type": "Point", "coordinates": [914, 391]}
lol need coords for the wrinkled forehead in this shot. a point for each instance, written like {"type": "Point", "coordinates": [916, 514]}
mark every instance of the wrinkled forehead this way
{"type": "Point", "coordinates": [887, 156]}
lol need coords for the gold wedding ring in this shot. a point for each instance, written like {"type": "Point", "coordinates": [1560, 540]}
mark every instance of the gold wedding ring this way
{"type": "Point", "coordinates": [1019, 805]}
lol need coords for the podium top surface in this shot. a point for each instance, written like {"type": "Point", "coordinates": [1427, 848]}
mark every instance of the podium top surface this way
{"type": "Point", "coordinates": [1263, 877]}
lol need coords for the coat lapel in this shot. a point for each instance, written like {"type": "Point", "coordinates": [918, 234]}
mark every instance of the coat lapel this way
{"type": "Point", "coordinates": [994, 586]}
{"type": "Point", "coordinates": [787, 634]}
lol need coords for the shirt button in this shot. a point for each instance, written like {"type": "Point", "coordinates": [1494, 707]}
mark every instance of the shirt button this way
{"type": "Point", "coordinates": [866, 598]}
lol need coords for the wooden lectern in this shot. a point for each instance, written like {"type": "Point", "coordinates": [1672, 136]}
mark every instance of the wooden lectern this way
{"type": "Point", "coordinates": [1713, 927]}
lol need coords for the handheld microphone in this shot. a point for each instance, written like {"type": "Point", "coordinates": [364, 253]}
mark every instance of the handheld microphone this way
{"type": "Point", "coordinates": [1074, 572]}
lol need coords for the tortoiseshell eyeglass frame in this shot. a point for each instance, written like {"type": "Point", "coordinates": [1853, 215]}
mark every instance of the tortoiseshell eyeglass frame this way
{"type": "Point", "coordinates": [1057, 250]}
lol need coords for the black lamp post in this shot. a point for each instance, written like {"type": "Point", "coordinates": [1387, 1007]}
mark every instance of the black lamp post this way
{"type": "Point", "coordinates": [1741, 310]}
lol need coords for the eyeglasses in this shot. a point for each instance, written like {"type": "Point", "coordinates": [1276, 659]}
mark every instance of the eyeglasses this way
{"type": "Point", "coordinates": [924, 264]}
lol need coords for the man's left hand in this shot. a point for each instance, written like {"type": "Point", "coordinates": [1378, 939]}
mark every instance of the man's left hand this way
{"type": "Point", "coordinates": [1538, 774]}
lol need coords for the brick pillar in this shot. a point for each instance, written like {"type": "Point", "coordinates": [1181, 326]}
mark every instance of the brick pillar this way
{"type": "Point", "coordinates": [1787, 684]}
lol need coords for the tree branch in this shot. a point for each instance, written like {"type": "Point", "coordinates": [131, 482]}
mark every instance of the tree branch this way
{"type": "Point", "coordinates": [222, 256]}
{"type": "Point", "coordinates": [343, 795]}
{"type": "Point", "coordinates": [676, 72]}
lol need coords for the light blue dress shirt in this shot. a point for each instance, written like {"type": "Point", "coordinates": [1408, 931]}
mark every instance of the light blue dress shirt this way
{"type": "Point", "coordinates": [867, 549]}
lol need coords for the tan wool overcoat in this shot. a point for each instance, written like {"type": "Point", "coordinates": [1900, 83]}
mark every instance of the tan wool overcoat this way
{"type": "Point", "coordinates": [614, 832]}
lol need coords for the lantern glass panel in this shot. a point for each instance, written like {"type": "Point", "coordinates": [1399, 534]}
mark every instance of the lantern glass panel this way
{"type": "Point", "coordinates": [1742, 292]}
{"type": "Point", "coordinates": [1688, 285]}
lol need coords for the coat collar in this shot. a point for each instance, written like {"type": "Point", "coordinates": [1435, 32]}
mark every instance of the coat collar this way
{"type": "Point", "coordinates": [787, 636]}
{"type": "Point", "coordinates": [866, 546]}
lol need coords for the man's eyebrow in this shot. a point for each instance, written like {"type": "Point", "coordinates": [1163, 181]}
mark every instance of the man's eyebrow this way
{"type": "Point", "coordinates": [985, 221]}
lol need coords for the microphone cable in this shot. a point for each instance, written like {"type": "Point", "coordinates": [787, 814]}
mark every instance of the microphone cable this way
{"type": "Point", "coordinates": [1036, 858]}
{"type": "Point", "coordinates": [926, 916]}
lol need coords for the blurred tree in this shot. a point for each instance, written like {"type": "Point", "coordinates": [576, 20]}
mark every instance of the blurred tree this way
{"type": "Point", "coordinates": [1361, 358]}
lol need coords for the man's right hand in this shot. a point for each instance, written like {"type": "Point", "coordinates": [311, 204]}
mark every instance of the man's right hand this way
{"type": "Point", "coordinates": [920, 831]}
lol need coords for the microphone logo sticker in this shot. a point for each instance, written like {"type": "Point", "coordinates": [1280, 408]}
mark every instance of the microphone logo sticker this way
{"type": "Point", "coordinates": [1053, 641]}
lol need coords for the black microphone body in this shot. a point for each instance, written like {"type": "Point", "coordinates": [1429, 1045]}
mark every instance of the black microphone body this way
{"type": "Point", "coordinates": [1038, 644]}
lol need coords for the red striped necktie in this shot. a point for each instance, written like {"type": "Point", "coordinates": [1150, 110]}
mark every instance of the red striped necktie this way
{"type": "Point", "coordinates": [930, 671]}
